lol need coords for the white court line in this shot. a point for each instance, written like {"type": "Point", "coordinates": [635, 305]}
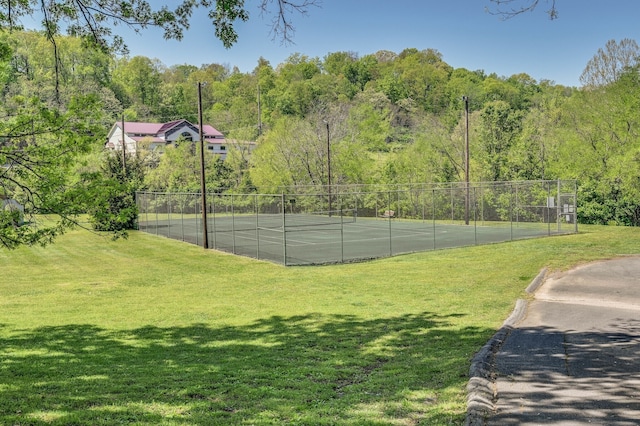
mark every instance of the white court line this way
{"type": "Point", "coordinates": [273, 240]}
{"type": "Point", "coordinates": [291, 242]}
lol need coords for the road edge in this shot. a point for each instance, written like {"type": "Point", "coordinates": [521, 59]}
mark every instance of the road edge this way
{"type": "Point", "coordinates": [481, 394]}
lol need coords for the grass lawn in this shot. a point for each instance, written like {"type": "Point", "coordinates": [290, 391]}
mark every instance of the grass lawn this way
{"type": "Point", "coordinates": [153, 331]}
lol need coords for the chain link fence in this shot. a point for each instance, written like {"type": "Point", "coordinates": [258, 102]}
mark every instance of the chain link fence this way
{"type": "Point", "coordinates": [320, 225]}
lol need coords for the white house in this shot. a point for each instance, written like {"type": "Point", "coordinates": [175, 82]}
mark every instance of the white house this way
{"type": "Point", "coordinates": [159, 135]}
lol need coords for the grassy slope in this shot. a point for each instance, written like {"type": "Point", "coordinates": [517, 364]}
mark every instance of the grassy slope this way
{"type": "Point", "coordinates": [153, 331]}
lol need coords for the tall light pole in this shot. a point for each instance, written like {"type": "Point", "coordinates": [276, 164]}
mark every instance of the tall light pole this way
{"type": "Point", "coordinates": [259, 114]}
{"type": "Point", "coordinates": [328, 165]}
{"type": "Point", "coordinates": [203, 187]}
{"type": "Point", "coordinates": [466, 158]}
{"type": "Point", "coordinates": [124, 150]}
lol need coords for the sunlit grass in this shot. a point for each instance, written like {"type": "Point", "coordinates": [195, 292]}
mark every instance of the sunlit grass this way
{"type": "Point", "coordinates": [153, 331]}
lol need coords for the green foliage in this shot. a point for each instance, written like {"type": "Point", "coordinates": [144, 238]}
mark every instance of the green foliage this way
{"type": "Point", "coordinates": [393, 118]}
{"type": "Point", "coordinates": [602, 150]}
{"type": "Point", "coordinates": [96, 23]}
{"type": "Point", "coordinates": [37, 152]}
{"type": "Point", "coordinates": [372, 125]}
{"type": "Point", "coordinates": [178, 170]}
{"type": "Point", "coordinates": [499, 126]}
{"type": "Point", "coordinates": [112, 206]}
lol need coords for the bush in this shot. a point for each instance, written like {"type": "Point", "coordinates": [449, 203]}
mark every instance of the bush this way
{"type": "Point", "coordinates": [113, 204]}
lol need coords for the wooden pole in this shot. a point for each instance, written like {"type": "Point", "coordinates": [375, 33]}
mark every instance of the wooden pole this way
{"type": "Point", "coordinates": [203, 186]}
{"type": "Point", "coordinates": [124, 149]}
{"type": "Point", "coordinates": [466, 159]}
{"type": "Point", "coordinates": [328, 166]}
{"type": "Point", "coordinates": [259, 114]}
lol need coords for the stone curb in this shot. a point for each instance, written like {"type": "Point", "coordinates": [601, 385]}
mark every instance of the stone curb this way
{"type": "Point", "coordinates": [537, 281]}
{"type": "Point", "coordinates": [481, 393]}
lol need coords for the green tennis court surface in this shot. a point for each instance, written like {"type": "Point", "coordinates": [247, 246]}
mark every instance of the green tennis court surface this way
{"type": "Point", "coordinates": [342, 241]}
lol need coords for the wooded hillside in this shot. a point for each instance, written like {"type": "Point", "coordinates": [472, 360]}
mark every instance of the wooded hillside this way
{"type": "Point", "coordinates": [389, 117]}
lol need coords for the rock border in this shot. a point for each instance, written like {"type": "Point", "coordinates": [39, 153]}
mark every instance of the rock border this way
{"type": "Point", "coordinates": [481, 393]}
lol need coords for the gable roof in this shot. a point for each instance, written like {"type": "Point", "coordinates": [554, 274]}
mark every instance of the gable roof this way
{"type": "Point", "coordinates": [167, 127]}
{"type": "Point", "coordinates": [142, 128]}
{"type": "Point", "coordinates": [209, 131]}
{"type": "Point", "coordinates": [154, 130]}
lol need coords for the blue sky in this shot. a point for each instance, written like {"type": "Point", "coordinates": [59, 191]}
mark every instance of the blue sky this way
{"type": "Point", "coordinates": [461, 30]}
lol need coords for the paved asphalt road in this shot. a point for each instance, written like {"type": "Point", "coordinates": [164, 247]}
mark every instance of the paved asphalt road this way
{"type": "Point", "coordinates": [572, 357]}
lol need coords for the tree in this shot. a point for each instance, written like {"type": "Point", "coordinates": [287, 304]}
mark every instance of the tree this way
{"type": "Point", "coordinates": [42, 131]}
{"type": "Point", "coordinates": [96, 21]}
{"type": "Point", "coordinates": [37, 146]}
{"type": "Point", "coordinates": [370, 120]}
{"type": "Point", "coordinates": [113, 203]}
{"type": "Point", "coordinates": [601, 150]}
{"type": "Point", "coordinates": [608, 64]}
{"type": "Point", "coordinates": [510, 8]}
{"type": "Point", "coordinates": [293, 153]}
{"type": "Point", "coordinates": [179, 170]}
{"type": "Point", "coordinates": [140, 81]}
{"type": "Point", "coordinates": [498, 128]}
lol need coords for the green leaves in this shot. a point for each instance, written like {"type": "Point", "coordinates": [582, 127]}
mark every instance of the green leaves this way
{"type": "Point", "coordinates": [96, 21]}
{"type": "Point", "coordinates": [110, 193]}
{"type": "Point", "coordinates": [38, 146]}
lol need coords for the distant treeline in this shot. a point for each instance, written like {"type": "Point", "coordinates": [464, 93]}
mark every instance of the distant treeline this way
{"type": "Point", "coordinates": [384, 117]}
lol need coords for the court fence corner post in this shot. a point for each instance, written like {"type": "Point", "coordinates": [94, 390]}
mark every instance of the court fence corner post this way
{"type": "Point", "coordinates": [283, 209]}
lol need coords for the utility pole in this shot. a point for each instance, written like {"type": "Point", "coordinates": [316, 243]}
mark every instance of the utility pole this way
{"type": "Point", "coordinates": [466, 158]}
{"type": "Point", "coordinates": [328, 166]}
{"type": "Point", "coordinates": [124, 154]}
{"type": "Point", "coordinates": [259, 114]}
{"type": "Point", "coordinates": [203, 186]}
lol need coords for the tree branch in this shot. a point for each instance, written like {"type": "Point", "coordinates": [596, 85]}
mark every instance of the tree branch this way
{"type": "Point", "coordinates": [280, 25]}
{"type": "Point", "coordinates": [508, 9]}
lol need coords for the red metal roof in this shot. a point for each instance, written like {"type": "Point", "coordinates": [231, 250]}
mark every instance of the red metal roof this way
{"type": "Point", "coordinates": [154, 129]}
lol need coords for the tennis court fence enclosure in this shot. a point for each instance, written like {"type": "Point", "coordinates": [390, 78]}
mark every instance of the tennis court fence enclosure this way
{"type": "Point", "coordinates": [346, 223]}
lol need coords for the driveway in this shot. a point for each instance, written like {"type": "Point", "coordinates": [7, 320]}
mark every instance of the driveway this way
{"type": "Point", "coordinates": [572, 355]}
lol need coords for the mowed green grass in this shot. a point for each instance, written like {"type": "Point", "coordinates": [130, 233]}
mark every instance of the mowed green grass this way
{"type": "Point", "coordinates": [153, 331]}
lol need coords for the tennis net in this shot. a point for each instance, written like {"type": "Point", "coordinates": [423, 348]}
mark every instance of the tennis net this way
{"type": "Point", "coordinates": [321, 218]}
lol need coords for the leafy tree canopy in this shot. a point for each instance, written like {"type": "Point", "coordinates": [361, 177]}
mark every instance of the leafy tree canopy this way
{"type": "Point", "coordinates": [96, 21]}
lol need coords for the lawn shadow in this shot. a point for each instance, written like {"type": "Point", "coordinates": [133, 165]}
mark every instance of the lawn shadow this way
{"type": "Point", "coordinates": [311, 369]}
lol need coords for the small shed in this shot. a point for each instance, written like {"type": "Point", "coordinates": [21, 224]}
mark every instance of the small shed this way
{"type": "Point", "coordinates": [9, 204]}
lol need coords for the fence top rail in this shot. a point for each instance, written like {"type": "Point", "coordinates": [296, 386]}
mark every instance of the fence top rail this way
{"type": "Point", "coordinates": [209, 194]}
{"type": "Point", "coordinates": [287, 189]}
{"type": "Point", "coordinates": [323, 190]}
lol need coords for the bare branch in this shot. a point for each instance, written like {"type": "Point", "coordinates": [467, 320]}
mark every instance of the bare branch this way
{"type": "Point", "coordinates": [281, 26]}
{"type": "Point", "coordinates": [508, 9]}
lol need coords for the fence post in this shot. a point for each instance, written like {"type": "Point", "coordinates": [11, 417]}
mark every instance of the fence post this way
{"type": "Point", "coordinates": [168, 195]}
{"type": "Point", "coordinates": [558, 215]}
{"type": "Point", "coordinates": [575, 206]}
{"type": "Point", "coordinates": [213, 225]}
{"type": "Point", "coordinates": [389, 219]}
{"type": "Point", "coordinates": [284, 230]}
{"type": "Point", "coordinates": [195, 210]}
{"type": "Point", "coordinates": [233, 224]}
{"type": "Point", "coordinates": [451, 196]}
{"type": "Point", "coordinates": [155, 203]}
{"type": "Point", "coordinates": [548, 210]}
{"type": "Point", "coordinates": [511, 211]}
{"type": "Point", "coordinates": [341, 234]}
{"type": "Point", "coordinates": [433, 218]}
{"type": "Point", "coordinates": [475, 215]}
{"type": "Point", "coordinates": [255, 210]}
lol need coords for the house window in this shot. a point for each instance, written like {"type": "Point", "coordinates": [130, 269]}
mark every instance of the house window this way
{"type": "Point", "coordinates": [210, 148]}
{"type": "Point", "coordinates": [223, 148]}
{"type": "Point", "coordinates": [187, 136]}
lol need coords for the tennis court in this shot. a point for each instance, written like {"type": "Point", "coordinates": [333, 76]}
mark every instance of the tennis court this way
{"type": "Point", "coordinates": [286, 228]}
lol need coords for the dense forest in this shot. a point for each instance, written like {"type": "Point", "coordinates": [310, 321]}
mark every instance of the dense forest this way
{"type": "Point", "coordinates": [389, 117]}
